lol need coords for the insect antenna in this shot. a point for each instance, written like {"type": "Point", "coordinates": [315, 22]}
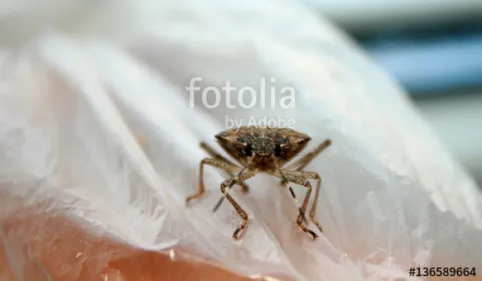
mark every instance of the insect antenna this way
{"type": "Point", "coordinates": [220, 201]}
{"type": "Point", "coordinates": [285, 181]}
{"type": "Point", "coordinates": [302, 214]}
{"type": "Point", "coordinates": [216, 207]}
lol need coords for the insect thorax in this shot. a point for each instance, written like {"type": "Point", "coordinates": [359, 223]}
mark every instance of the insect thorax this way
{"type": "Point", "coordinates": [263, 148]}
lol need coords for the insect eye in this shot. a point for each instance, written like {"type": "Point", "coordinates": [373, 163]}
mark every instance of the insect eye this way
{"type": "Point", "coordinates": [249, 150]}
{"type": "Point", "coordinates": [277, 150]}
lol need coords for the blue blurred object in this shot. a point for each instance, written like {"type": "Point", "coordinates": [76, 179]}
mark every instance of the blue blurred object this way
{"type": "Point", "coordinates": [431, 47]}
{"type": "Point", "coordinates": [444, 64]}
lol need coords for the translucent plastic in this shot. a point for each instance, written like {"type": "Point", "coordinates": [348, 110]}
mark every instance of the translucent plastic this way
{"type": "Point", "coordinates": [100, 148]}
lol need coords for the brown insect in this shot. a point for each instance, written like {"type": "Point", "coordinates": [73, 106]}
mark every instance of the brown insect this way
{"type": "Point", "coordinates": [264, 150]}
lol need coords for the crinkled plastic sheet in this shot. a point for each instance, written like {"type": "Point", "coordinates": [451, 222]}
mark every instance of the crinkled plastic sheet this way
{"type": "Point", "coordinates": [100, 148]}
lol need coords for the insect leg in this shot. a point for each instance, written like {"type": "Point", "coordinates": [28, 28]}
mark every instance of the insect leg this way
{"type": "Point", "coordinates": [305, 160]}
{"type": "Point", "coordinates": [314, 176]}
{"type": "Point", "coordinates": [224, 189]}
{"type": "Point", "coordinates": [304, 182]}
{"type": "Point", "coordinates": [217, 156]}
{"type": "Point", "coordinates": [214, 154]}
{"type": "Point", "coordinates": [285, 183]}
{"type": "Point", "coordinates": [215, 163]}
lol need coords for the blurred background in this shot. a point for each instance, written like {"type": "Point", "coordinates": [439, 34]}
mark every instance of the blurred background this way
{"type": "Point", "coordinates": [434, 49]}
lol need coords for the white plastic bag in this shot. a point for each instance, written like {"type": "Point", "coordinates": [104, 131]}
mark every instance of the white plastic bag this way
{"type": "Point", "coordinates": [100, 147]}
